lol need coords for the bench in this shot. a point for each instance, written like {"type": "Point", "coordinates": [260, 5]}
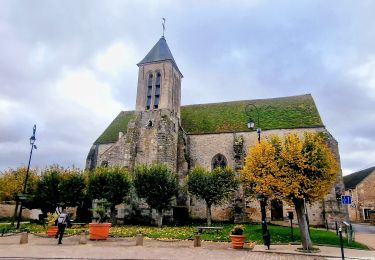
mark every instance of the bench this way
{"type": "Point", "coordinates": [78, 224]}
{"type": "Point", "coordinates": [201, 229]}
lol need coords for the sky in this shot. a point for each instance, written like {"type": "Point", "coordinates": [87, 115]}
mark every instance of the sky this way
{"type": "Point", "coordinates": [70, 66]}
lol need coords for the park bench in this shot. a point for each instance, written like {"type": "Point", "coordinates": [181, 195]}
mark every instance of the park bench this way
{"type": "Point", "coordinates": [78, 224]}
{"type": "Point", "coordinates": [201, 229]}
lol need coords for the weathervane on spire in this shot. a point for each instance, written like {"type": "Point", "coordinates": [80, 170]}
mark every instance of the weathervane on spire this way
{"type": "Point", "coordinates": [163, 25]}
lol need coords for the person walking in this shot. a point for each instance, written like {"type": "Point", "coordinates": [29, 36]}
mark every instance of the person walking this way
{"type": "Point", "coordinates": [62, 222]}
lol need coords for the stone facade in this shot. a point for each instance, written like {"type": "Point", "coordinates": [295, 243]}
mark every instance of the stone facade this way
{"type": "Point", "coordinates": [363, 199]}
{"type": "Point", "coordinates": [203, 148]}
{"type": "Point", "coordinates": [152, 137]}
{"type": "Point", "coordinates": [155, 135]}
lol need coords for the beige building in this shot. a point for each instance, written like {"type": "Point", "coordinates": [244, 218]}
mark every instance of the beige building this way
{"type": "Point", "coordinates": [361, 186]}
{"type": "Point", "coordinates": [209, 135]}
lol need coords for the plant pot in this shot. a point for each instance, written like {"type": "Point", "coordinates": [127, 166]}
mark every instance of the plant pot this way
{"type": "Point", "coordinates": [52, 231]}
{"type": "Point", "coordinates": [237, 241]}
{"type": "Point", "coordinates": [99, 231]}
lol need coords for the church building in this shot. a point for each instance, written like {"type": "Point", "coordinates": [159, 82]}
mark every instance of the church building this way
{"type": "Point", "coordinates": [208, 135]}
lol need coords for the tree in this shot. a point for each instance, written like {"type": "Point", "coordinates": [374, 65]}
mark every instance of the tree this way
{"type": "Point", "coordinates": [59, 187]}
{"type": "Point", "coordinates": [212, 186]}
{"type": "Point", "coordinates": [111, 184]}
{"type": "Point", "coordinates": [294, 169]}
{"type": "Point", "coordinates": [47, 194]}
{"type": "Point", "coordinates": [12, 182]}
{"type": "Point", "coordinates": [157, 185]}
{"type": "Point", "coordinates": [71, 188]}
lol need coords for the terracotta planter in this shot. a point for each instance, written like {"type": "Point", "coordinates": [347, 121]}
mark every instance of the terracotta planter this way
{"type": "Point", "coordinates": [99, 231]}
{"type": "Point", "coordinates": [52, 231]}
{"type": "Point", "coordinates": [237, 241]}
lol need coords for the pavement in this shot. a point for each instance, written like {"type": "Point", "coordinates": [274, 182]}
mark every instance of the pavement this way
{"type": "Point", "coordinates": [124, 248]}
{"type": "Point", "coordinates": [365, 234]}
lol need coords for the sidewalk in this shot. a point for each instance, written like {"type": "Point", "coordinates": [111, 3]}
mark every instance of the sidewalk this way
{"type": "Point", "coordinates": [124, 248]}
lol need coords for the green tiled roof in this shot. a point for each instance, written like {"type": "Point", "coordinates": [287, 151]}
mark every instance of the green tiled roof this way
{"type": "Point", "coordinates": [354, 179]}
{"type": "Point", "coordinates": [119, 124]}
{"type": "Point", "coordinates": [275, 113]}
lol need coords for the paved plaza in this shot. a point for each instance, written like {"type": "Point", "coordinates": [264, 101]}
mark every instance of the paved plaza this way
{"type": "Point", "coordinates": [125, 248]}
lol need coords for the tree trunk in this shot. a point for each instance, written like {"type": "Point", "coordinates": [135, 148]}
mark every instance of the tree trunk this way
{"type": "Point", "coordinates": [160, 217]}
{"type": "Point", "coordinates": [208, 214]}
{"type": "Point", "coordinates": [113, 214]}
{"type": "Point", "coordinates": [303, 226]}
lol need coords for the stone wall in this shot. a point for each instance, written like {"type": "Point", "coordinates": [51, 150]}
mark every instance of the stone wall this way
{"type": "Point", "coordinates": [7, 211]}
{"type": "Point", "coordinates": [202, 148]}
{"type": "Point", "coordinates": [363, 197]}
{"type": "Point", "coordinates": [151, 137]}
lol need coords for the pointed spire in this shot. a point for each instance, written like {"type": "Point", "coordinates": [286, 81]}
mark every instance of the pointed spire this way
{"type": "Point", "coordinates": [160, 52]}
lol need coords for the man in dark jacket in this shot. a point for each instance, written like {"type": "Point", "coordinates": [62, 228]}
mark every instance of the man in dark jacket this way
{"type": "Point", "coordinates": [62, 222]}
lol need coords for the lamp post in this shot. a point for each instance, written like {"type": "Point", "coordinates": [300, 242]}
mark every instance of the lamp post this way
{"type": "Point", "coordinates": [261, 198]}
{"type": "Point", "coordinates": [32, 141]}
{"type": "Point", "coordinates": [250, 122]}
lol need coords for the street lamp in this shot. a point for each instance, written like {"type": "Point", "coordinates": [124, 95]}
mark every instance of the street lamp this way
{"type": "Point", "coordinates": [32, 141]}
{"type": "Point", "coordinates": [261, 198]}
{"type": "Point", "coordinates": [250, 122]}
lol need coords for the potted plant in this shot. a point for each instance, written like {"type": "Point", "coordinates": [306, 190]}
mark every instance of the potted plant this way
{"type": "Point", "coordinates": [108, 186]}
{"type": "Point", "coordinates": [100, 230]}
{"type": "Point", "coordinates": [52, 227]}
{"type": "Point", "coordinates": [237, 237]}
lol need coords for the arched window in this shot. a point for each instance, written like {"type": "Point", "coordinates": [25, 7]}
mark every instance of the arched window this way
{"type": "Point", "coordinates": [149, 92]}
{"type": "Point", "coordinates": [219, 160]}
{"type": "Point", "coordinates": [157, 91]}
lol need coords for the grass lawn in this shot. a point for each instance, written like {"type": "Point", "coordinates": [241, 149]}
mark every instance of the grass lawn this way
{"type": "Point", "coordinates": [279, 234]}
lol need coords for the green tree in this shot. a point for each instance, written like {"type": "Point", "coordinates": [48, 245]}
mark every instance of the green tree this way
{"type": "Point", "coordinates": [47, 194]}
{"type": "Point", "coordinates": [157, 185]}
{"type": "Point", "coordinates": [212, 186]}
{"type": "Point", "coordinates": [71, 188]}
{"type": "Point", "coordinates": [294, 169]}
{"type": "Point", "coordinates": [111, 184]}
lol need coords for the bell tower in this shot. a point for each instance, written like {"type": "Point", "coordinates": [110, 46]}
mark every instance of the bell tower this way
{"type": "Point", "coordinates": [159, 81]}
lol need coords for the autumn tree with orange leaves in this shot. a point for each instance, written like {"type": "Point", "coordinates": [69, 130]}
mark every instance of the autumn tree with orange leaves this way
{"type": "Point", "coordinates": [293, 169]}
{"type": "Point", "coordinates": [12, 181]}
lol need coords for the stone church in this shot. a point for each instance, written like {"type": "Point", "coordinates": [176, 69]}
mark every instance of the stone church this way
{"type": "Point", "coordinates": [209, 135]}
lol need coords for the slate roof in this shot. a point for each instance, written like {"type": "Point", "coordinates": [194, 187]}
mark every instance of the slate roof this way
{"type": "Point", "coordinates": [352, 180]}
{"type": "Point", "coordinates": [160, 52]}
{"type": "Point", "coordinates": [275, 113]}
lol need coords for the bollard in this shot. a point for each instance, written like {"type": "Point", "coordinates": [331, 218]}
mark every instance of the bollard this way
{"type": "Point", "coordinates": [267, 239]}
{"type": "Point", "coordinates": [197, 241]}
{"type": "Point", "coordinates": [291, 230]}
{"type": "Point", "coordinates": [24, 238]}
{"type": "Point", "coordinates": [82, 238]}
{"type": "Point", "coordinates": [341, 245]}
{"type": "Point", "coordinates": [139, 240]}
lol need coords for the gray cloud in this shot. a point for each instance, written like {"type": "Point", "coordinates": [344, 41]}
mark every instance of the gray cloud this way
{"type": "Point", "coordinates": [226, 51]}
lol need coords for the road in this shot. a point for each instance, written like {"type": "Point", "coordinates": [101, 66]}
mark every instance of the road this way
{"type": "Point", "coordinates": [365, 234]}
{"type": "Point", "coordinates": [364, 228]}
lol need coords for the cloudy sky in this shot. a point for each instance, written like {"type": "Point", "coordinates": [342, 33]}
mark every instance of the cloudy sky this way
{"type": "Point", "coordinates": [70, 66]}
